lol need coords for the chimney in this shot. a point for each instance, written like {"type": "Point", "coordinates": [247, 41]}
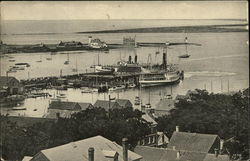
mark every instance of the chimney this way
{"type": "Point", "coordinates": [90, 38]}
{"type": "Point", "coordinates": [135, 59]}
{"type": "Point", "coordinates": [221, 145]}
{"type": "Point", "coordinates": [216, 152]}
{"type": "Point", "coordinates": [177, 129]}
{"type": "Point", "coordinates": [173, 147]}
{"type": "Point", "coordinates": [116, 157]}
{"type": "Point", "coordinates": [125, 149]}
{"type": "Point", "coordinates": [91, 154]}
{"type": "Point", "coordinates": [129, 59]}
{"type": "Point", "coordinates": [178, 155]}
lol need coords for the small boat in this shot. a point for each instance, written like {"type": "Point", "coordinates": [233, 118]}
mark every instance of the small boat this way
{"type": "Point", "coordinates": [184, 56]}
{"type": "Point", "coordinates": [11, 71]}
{"type": "Point", "coordinates": [112, 88]}
{"type": "Point", "coordinates": [22, 64]}
{"type": "Point", "coordinates": [35, 109]}
{"type": "Point", "coordinates": [85, 90]}
{"type": "Point", "coordinates": [17, 109]}
{"type": "Point", "coordinates": [61, 96]}
{"type": "Point", "coordinates": [12, 60]}
{"type": "Point", "coordinates": [66, 62]}
{"type": "Point", "coordinates": [131, 85]}
{"type": "Point", "coordinates": [48, 58]}
{"type": "Point", "coordinates": [94, 90]}
{"type": "Point", "coordinates": [20, 68]}
{"type": "Point", "coordinates": [120, 87]}
{"type": "Point", "coordinates": [137, 100]}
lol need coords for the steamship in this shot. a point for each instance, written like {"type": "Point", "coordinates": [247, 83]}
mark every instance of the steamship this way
{"type": "Point", "coordinates": [161, 75]}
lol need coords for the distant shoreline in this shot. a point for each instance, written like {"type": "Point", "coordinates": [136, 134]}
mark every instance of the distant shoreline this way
{"type": "Point", "coordinates": [177, 29]}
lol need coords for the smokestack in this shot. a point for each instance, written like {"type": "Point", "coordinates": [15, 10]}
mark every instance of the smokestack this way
{"type": "Point", "coordinates": [177, 129]}
{"type": "Point", "coordinates": [178, 155]}
{"type": "Point", "coordinates": [129, 59]}
{"type": "Point", "coordinates": [91, 154]}
{"type": "Point", "coordinates": [90, 38]}
{"type": "Point", "coordinates": [125, 149]}
{"type": "Point", "coordinates": [164, 62]}
{"type": "Point", "coordinates": [136, 59]}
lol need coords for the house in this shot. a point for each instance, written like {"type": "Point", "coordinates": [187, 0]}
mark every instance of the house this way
{"type": "Point", "coordinates": [11, 85]}
{"type": "Point", "coordinates": [66, 109]}
{"type": "Point", "coordinates": [162, 154]}
{"type": "Point", "coordinates": [96, 43]}
{"type": "Point", "coordinates": [124, 103]}
{"type": "Point", "coordinates": [163, 107]}
{"type": "Point", "coordinates": [107, 104]}
{"type": "Point", "coordinates": [196, 142]}
{"type": "Point", "coordinates": [95, 148]}
{"type": "Point", "coordinates": [155, 138]}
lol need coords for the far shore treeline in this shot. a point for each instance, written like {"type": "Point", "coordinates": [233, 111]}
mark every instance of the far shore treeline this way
{"type": "Point", "coordinates": [202, 112]}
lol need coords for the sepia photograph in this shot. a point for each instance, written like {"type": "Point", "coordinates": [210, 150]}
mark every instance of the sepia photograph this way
{"type": "Point", "coordinates": [124, 81]}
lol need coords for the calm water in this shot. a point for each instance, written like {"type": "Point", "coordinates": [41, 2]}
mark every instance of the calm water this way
{"type": "Point", "coordinates": [222, 58]}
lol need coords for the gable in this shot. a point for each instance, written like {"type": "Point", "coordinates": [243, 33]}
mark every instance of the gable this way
{"type": "Point", "coordinates": [78, 151]}
{"type": "Point", "coordinates": [192, 141]}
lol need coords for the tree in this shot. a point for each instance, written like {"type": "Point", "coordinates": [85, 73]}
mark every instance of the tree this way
{"type": "Point", "coordinates": [220, 114]}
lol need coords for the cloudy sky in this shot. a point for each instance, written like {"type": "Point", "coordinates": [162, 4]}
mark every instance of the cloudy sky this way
{"type": "Point", "coordinates": [52, 10]}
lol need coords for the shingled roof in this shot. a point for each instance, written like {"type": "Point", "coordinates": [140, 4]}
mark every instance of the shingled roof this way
{"type": "Point", "coordinates": [149, 119]}
{"type": "Point", "coordinates": [192, 141]}
{"type": "Point", "coordinates": [60, 105]}
{"type": "Point", "coordinates": [78, 151]}
{"type": "Point", "coordinates": [124, 102]}
{"type": "Point", "coordinates": [160, 154]}
{"type": "Point", "coordinates": [105, 104]}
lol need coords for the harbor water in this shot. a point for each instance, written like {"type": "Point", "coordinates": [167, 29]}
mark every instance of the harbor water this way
{"type": "Point", "coordinates": [220, 64]}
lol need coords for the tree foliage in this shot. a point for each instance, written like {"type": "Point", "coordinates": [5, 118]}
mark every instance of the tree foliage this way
{"type": "Point", "coordinates": [17, 142]}
{"type": "Point", "coordinates": [225, 115]}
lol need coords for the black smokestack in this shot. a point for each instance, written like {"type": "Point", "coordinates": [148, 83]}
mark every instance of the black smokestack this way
{"type": "Point", "coordinates": [164, 61]}
{"type": "Point", "coordinates": [136, 59]}
{"type": "Point", "coordinates": [129, 59]}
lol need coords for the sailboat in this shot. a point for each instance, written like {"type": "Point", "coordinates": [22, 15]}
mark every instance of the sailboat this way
{"type": "Point", "coordinates": [75, 69]}
{"type": "Point", "coordinates": [39, 61]}
{"type": "Point", "coordinates": [185, 55]}
{"type": "Point", "coordinates": [67, 61]}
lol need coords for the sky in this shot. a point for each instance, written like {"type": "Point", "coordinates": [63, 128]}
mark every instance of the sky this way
{"type": "Point", "coordinates": [65, 10]}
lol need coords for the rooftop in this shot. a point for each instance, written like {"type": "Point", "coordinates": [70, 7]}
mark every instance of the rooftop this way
{"type": "Point", "coordinates": [78, 151]}
{"type": "Point", "coordinates": [149, 119]}
{"type": "Point", "coordinates": [105, 104]}
{"type": "Point", "coordinates": [192, 141]}
{"type": "Point", "coordinates": [161, 154]}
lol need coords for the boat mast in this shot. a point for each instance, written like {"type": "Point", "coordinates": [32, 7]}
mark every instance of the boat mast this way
{"type": "Point", "coordinates": [186, 41]}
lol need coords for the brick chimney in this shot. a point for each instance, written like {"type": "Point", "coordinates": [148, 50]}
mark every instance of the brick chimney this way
{"type": "Point", "coordinates": [125, 149]}
{"type": "Point", "coordinates": [91, 154]}
{"type": "Point", "coordinates": [178, 155]}
{"type": "Point", "coordinates": [177, 128]}
{"type": "Point", "coordinates": [116, 157]}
